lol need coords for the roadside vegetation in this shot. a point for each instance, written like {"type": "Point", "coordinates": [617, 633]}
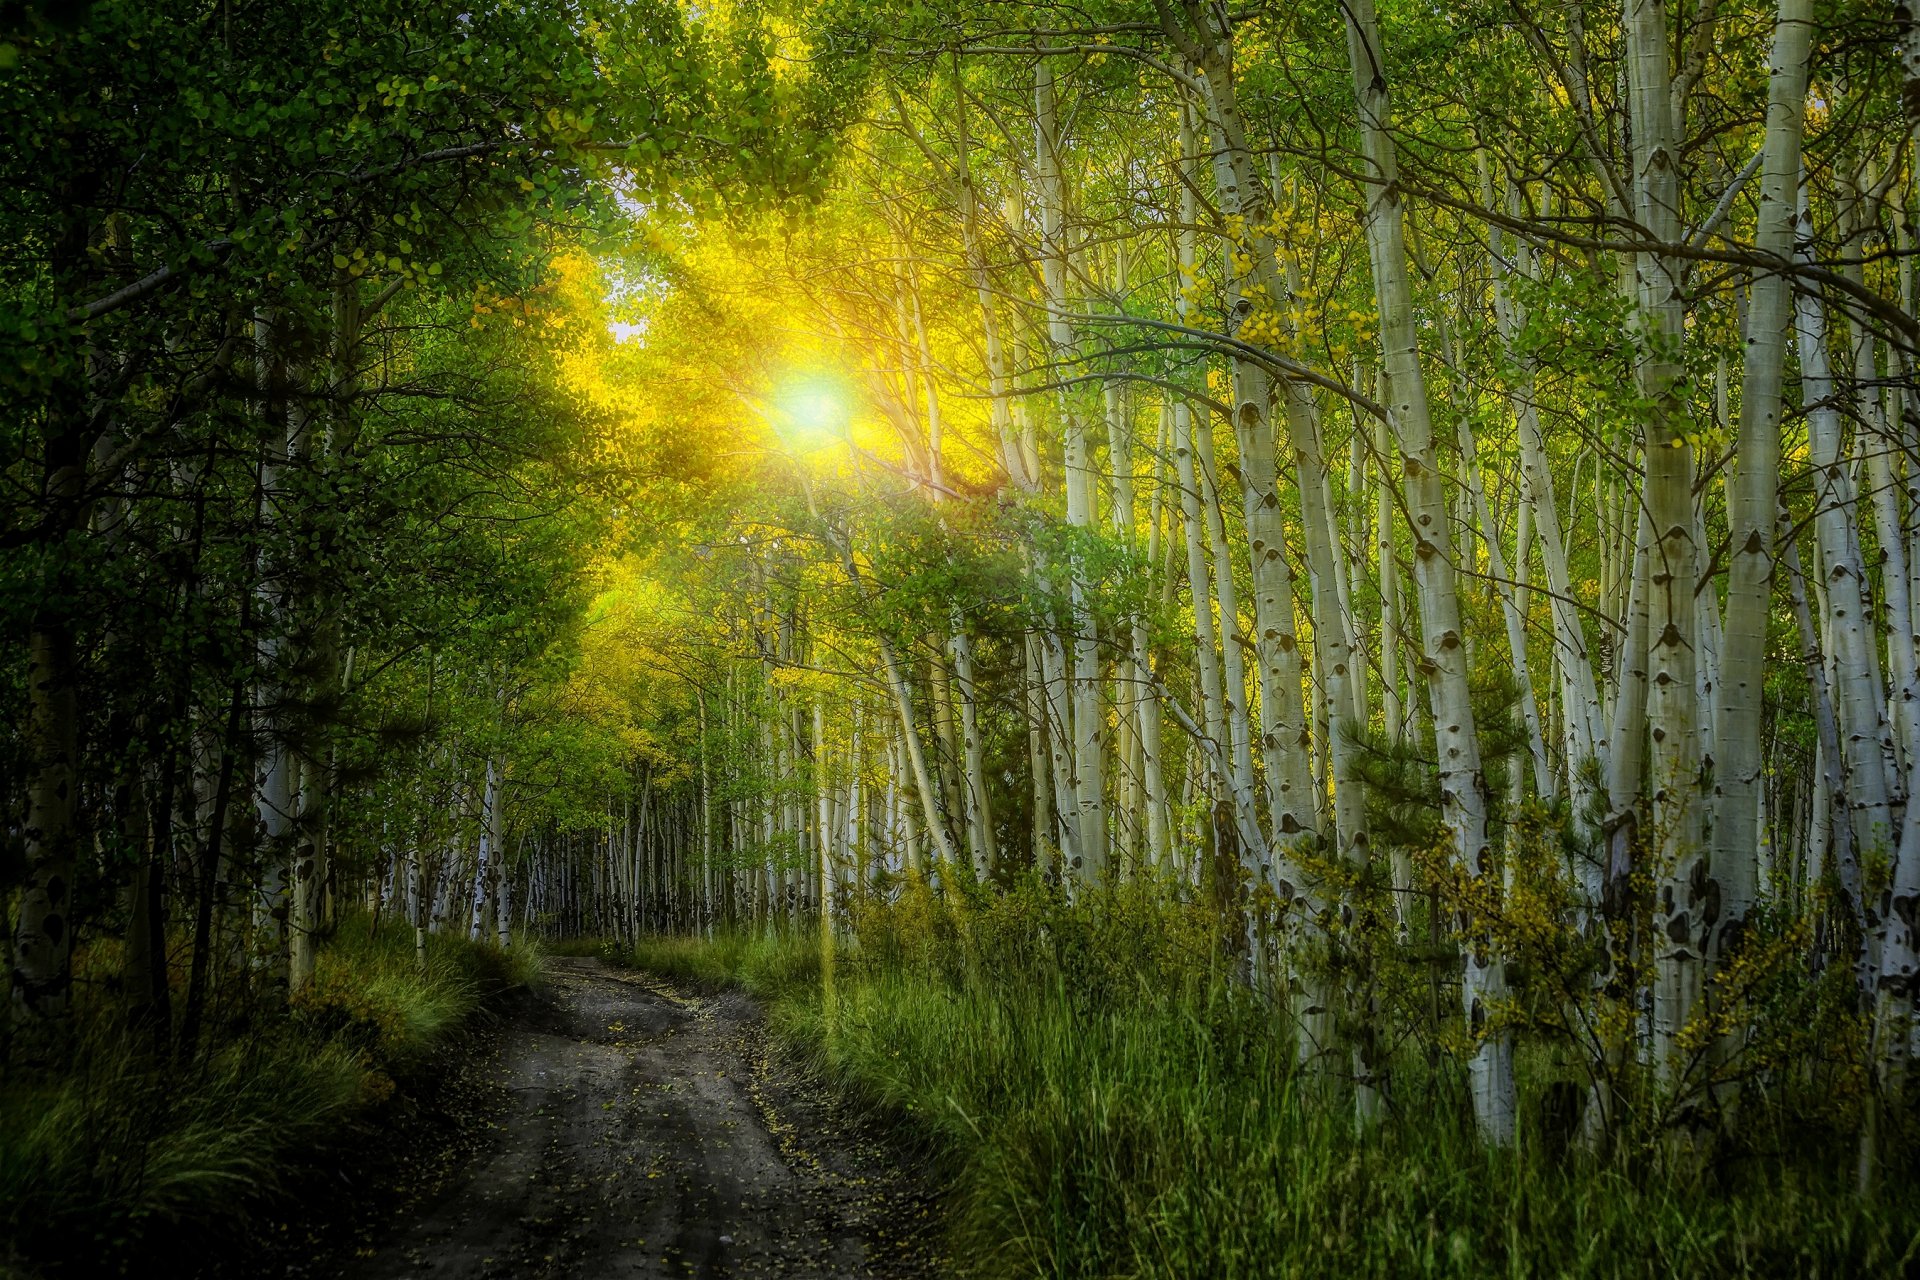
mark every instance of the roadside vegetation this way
{"type": "Point", "coordinates": [1105, 1101]}
{"type": "Point", "coordinates": [130, 1151]}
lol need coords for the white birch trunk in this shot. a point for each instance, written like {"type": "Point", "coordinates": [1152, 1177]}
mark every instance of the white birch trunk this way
{"type": "Point", "coordinates": [486, 853]}
{"type": "Point", "coordinates": [1088, 860]}
{"type": "Point", "coordinates": [1753, 495]}
{"type": "Point", "coordinates": [1584, 725]}
{"type": "Point", "coordinates": [1685, 905]}
{"type": "Point", "coordinates": [979, 815]}
{"type": "Point", "coordinates": [1859, 701]}
{"type": "Point", "coordinates": [1463, 795]}
{"type": "Point", "coordinates": [1226, 592]}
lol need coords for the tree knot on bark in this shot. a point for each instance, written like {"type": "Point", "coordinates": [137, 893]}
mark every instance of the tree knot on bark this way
{"type": "Point", "coordinates": [1678, 928]}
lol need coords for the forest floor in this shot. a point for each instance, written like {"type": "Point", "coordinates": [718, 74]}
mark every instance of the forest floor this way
{"type": "Point", "coordinates": [634, 1129]}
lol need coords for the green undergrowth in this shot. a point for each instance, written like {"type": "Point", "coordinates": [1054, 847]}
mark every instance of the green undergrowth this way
{"type": "Point", "coordinates": [120, 1148]}
{"type": "Point", "coordinates": [587, 945]}
{"type": "Point", "coordinates": [1105, 1104]}
{"type": "Point", "coordinates": [780, 967]}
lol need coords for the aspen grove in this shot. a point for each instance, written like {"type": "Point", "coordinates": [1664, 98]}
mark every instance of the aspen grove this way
{"type": "Point", "coordinates": [1401, 523]}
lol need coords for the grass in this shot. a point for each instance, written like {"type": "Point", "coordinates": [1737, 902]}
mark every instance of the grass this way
{"type": "Point", "coordinates": [781, 967]}
{"type": "Point", "coordinates": [120, 1150]}
{"type": "Point", "coordinates": [586, 945]}
{"type": "Point", "coordinates": [1105, 1105]}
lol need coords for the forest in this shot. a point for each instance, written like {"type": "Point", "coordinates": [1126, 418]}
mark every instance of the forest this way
{"type": "Point", "coordinates": [1127, 638]}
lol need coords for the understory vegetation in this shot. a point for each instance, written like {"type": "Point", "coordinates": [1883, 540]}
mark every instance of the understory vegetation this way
{"type": "Point", "coordinates": [1107, 1101]}
{"type": "Point", "coordinates": [131, 1149]}
{"type": "Point", "coordinates": [1294, 628]}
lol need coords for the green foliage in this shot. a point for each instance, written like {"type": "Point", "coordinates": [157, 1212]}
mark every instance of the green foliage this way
{"type": "Point", "coordinates": [125, 1149]}
{"type": "Point", "coordinates": [772, 966]}
{"type": "Point", "coordinates": [1402, 779]}
{"type": "Point", "coordinates": [1106, 1105]}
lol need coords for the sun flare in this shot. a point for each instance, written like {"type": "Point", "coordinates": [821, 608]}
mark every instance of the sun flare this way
{"type": "Point", "coordinates": [813, 410]}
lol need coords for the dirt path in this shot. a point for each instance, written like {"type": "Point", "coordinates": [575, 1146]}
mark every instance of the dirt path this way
{"type": "Point", "coordinates": [646, 1132]}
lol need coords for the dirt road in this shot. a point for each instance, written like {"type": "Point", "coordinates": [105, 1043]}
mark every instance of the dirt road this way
{"type": "Point", "coordinates": [647, 1132]}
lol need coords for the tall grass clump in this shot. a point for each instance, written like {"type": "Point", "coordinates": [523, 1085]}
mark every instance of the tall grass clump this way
{"type": "Point", "coordinates": [117, 1145]}
{"type": "Point", "coordinates": [1108, 1101]}
{"type": "Point", "coordinates": [770, 965]}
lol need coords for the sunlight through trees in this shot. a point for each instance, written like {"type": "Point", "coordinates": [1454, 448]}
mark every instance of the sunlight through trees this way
{"type": "Point", "coordinates": [1421, 505]}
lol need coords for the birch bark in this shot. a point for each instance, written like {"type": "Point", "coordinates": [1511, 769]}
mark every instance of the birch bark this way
{"type": "Point", "coordinates": [1089, 860]}
{"type": "Point", "coordinates": [1585, 730]}
{"type": "Point", "coordinates": [1687, 899]}
{"type": "Point", "coordinates": [1860, 703]}
{"type": "Point", "coordinates": [1463, 786]}
{"type": "Point", "coordinates": [1754, 495]}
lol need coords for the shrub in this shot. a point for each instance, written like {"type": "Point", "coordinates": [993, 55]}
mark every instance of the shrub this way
{"type": "Point", "coordinates": [117, 1145]}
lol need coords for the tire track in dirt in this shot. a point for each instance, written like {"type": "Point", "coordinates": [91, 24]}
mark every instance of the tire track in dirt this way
{"type": "Point", "coordinates": [648, 1132]}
